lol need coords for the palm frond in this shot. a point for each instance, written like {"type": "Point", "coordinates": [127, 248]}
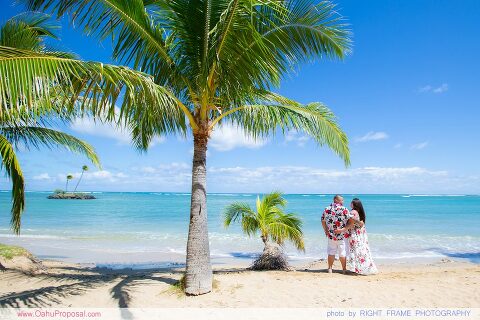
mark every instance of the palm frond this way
{"type": "Point", "coordinates": [273, 199]}
{"type": "Point", "coordinates": [138, 39]}
{"type": "Point", "coordinates": [235, 212]}
{"type": "Point", "coordinates": [37, 136]}
{"type": "Point", "coordinates": [286, 227]}
{"type": "Point", "coordinates": [89, 86]}
{"type": "Point", "coordinates": [27, 31]}
{"type": "Point", "coordinates": [13, 171]}
{"type": "Point", "coordinates": [314, 119]}
{"type": "Point", "coordinates": [250, 225]}
{"type": "Point", "coordinates": [272, 38]}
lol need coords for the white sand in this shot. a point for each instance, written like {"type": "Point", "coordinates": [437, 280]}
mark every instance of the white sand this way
{"type": "Point", "coordinates": [436, 284]}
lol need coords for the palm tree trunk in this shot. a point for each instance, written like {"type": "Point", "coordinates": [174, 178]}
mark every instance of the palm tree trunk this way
{"type": "Point", "coordinates": [66, 187]}
{"type": "Point", "coordinates": [78, 182]}
{"type": "Point", "coordinates": [199, 271]}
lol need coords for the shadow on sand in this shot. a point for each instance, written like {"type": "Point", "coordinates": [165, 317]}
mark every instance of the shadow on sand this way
{"type": "Point", "coordinates": [68, 284]}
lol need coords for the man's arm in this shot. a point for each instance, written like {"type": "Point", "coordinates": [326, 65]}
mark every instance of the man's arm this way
{"type": "Point", "coordinates": [324, 225]}
{"type": "Point", "coordinates": [350, 225]}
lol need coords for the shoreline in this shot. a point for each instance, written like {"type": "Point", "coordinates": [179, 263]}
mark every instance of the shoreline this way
{"type": "Point", "coordinates": [165, 258]}
{"type": "Point", "coordinates": [434, 284]}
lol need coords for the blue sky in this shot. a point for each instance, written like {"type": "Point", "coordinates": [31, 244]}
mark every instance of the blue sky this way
{"type": "Point", "coordinates": [408, 98]}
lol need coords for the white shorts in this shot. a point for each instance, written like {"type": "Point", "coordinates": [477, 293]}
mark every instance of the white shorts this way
{"type": "Point", "coordinates": [336, 246]}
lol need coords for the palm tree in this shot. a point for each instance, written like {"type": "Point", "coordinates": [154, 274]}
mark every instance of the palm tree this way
{"type": "Point", "coordinates": [69, 177]}
{"type": "Point", "coordinates": [40, 85]}
{"type": "Point", "coordinates": [219, 61]}
{"type": "Point", "coordinates": [84, 168]}
{"type": "Point", "coordinates": [274, 226]}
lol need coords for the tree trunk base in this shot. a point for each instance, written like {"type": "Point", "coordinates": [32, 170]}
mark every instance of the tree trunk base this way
{"type": "Point", "coordinates": [272, 258]}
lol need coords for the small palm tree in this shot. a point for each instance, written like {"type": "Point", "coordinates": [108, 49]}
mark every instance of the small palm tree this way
{"type": "Point", "coordinates": [84, 168]}
{"type": "Point", "coordinates": [69, 177]}
{"type": "Point", "coordinates": [274, 226]}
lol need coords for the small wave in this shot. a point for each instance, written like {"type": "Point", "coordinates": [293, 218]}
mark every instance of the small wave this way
{"type": "Point", "coordinates": [434, 195]}
{"type": "Point", "coordinates": [139, 266]}
{"type": "Point", "coordinates": [31, 236]}
{"type": "Point", "coordinates": [408, 255]}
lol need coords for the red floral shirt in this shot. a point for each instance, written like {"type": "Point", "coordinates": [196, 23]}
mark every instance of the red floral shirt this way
{"type": "Point", "coordinates": [336, 216]}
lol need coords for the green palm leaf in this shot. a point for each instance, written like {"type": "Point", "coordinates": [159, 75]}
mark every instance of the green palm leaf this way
{"type": "Point", "coordinates": [314, 119]}
{"type": "Point", "coordinates": [14, 172]}
{"type": "Point", "coordinates": [46, 75]}
{"type": "Point", "coordinates": [38, 136]}
{"type": "Point", "coordinates": [137, 38]}
{"type": "Point", "coordinates": [27, 31]}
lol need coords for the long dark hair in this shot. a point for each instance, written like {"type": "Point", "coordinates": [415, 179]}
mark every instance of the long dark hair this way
{"type": "Point", "coordinates": [357, 205]}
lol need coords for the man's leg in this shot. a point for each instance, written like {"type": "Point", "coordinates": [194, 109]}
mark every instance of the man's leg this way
{"type": "Point", "coordinates": [342, 256]}
{"type": "Point", "coordinates": [331, 259]}
{"type": "Point", "coordinates": [331, 251]}
{"type": "Point", "coordinates": [343, 261]}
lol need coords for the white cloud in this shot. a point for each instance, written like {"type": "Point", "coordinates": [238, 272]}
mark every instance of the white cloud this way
{"type": "Point", "coordinates": [420, 146]}
{"type": "Point", "coordinates": [428, 88]}
{"type": "Point", "coordinates": [398, 146]}
{"type": "Point", "coordinates": [307, 179]}
{"type": "Point", "coordinates": [441, 89]}
{"type": "Point", "coordinates": [297, 138]}
{"type": "Point", "coordinates": [228, 137]}
{"type": "Point", "coordinates": [425, 88]}
{"type": "Point", "coordinates": [42, 177]}
{"type": "Point", "coordinates": [98, 129]}
{"type": "Point", "coordinates": [107, 130]}
{"type": "Point", "coordinates": [176, 177]}
{"type": "Point", "coordinates": [96, 176]}
{"type": "Point", "coordinates": [372, 136]}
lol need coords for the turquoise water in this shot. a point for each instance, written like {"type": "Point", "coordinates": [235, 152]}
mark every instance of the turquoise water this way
{"type": "Point", "coordinates": [129, 228]}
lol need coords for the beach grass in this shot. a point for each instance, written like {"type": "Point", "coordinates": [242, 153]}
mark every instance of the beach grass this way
{"type": "Point", "coordinates": [8, 252]}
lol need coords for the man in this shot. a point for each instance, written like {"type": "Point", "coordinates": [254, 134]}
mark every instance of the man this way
{"type": "Point", "coordinates": [336, 216]}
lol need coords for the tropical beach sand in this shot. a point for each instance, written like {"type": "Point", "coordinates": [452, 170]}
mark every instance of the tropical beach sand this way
{"type": "Point", "coordinates": [442, 283]}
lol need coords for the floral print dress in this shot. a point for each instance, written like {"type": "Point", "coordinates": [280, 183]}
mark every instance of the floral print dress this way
{"type": "Point", "coordinates": [359, 258]}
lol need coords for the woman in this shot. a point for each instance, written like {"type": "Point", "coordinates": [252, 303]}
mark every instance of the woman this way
{"type": "Point", "coordinates": [359, 258]}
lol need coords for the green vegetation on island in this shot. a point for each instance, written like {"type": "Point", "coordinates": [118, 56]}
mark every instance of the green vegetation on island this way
{"type": "Point", "coordinates": [61, 194]}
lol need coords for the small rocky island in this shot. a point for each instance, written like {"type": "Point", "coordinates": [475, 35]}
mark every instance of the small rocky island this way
{"type": "Point", "coordinates": [64, 194]}
{"type": "Point", "coordinates": [69, 195]}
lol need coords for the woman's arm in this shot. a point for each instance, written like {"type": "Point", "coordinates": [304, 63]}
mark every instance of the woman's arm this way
{"type": "Point", "coordinates": [358, 223]}
{"type": "Point", "coordinates": [350, 225]}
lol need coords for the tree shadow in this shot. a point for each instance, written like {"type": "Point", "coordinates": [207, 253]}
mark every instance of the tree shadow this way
{"type": "Point", "coordinates": [83, 281]}
{"type": "Point", "coordinates": [473, 257]}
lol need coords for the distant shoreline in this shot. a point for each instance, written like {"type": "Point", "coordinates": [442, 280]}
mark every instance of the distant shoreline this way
{"type": "Point", "coordinates": [255, 193]}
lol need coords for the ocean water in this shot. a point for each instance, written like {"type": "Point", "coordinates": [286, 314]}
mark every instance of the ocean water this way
{"type": "Point", "coordinates": [150, 229]}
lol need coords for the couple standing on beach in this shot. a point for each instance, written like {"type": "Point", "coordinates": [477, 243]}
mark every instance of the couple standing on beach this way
{"type": "Point", "coordinates": [347, 236]}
